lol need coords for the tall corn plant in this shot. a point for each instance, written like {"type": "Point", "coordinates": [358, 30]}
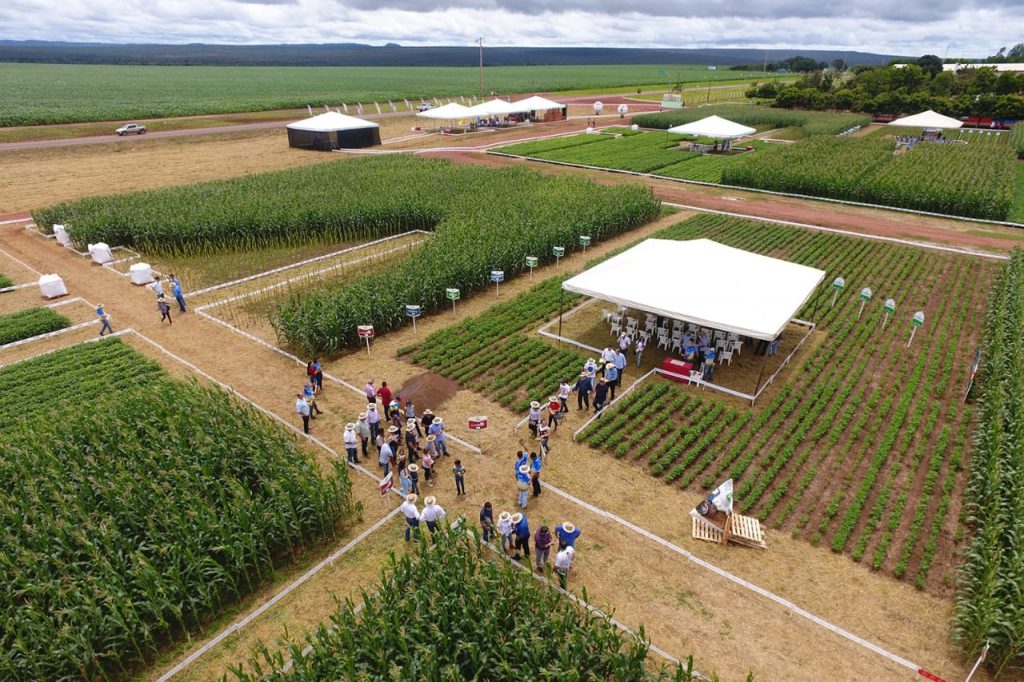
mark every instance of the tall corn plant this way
{"type": "Point", "coordinates": [447, 614]}
{"type": "Point", "coordinates": [990, 601]}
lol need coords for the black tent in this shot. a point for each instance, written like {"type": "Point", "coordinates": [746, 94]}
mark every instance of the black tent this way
{"type": "Point", "coordinates": [333, 131]}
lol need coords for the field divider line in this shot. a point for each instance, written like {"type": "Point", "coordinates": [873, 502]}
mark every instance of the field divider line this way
{"type": "Point", "coordinates": [21, 263]}
{"type": "Point", "coordinates": [848, 233]}
{"type": "Point", "coordinates": [737, 580]}
{"type": "Point", "coordinates": [18, 286]}
{"type": "Point", "coordinates": [270, 603]}
{"type": "Point", "coordinates": [15, 221]}
{"type": "Point", "coordinates": [123, 332]}
{"type": "Point", "coordinates": [58, 304]}
{"type": "Point", "coordinates": [48, 335]}
{"type": "Point", "coordinates": [307, 261]}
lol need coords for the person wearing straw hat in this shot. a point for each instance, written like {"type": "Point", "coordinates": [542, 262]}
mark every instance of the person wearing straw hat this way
{"type": "Point", "coordinates": [414, 478]}
{"type": "Point", "coordinates": [165, 309]}
{"type": "Point", "coordinates": [554, 411]}
{"type": "Point", "coordinates": [487, 521]}
{"type": "Point", "coordinates": [584, 385]}
{"type": "Point", "coordinates": [429, 446]}
{"type": "Point", "coordinates": [590, 367]}
{"type": "Point", "coordinates": [412, 517]}
{"type": "Point", "coordinates": [533, 417]}
{"type": "Point", "coordinates": [600, 394]}
{"type": "Point", "coordinates": [523, 483]}
{"type": "Point", "coordinates": [373, 419]}
{"type": "Point", "coordinates": [410, 416]}
{"type": "Point", "coordinates": [567, 533]}
{"type": "Point", "coordinates": [394, 438]}
{"type": "Point", "coordinates": [544, 436]}
{"type": "Point", "coordinates": [505, 529]}
{"type": "Point", "coordinates": [363, 429]}
{"type": "Point", "coordinates": [351, 440]}
{"type": "Point", "coordinates": [104, 320]}
{"type": "Point", "coordinates": [428, 418]}
{"type": "Point", "coordinates": [440, 442]}
{"type": "Point", "coordinates": [404, 482]}
{"type": "Point", "coordinates": [412, 441]}
{"type": "Point", "coordinates": [542, 542]}
{"type": "Point", "coordinates": [385, 457]}
{"type": "Point", "coordinates": [563, 563]}
{"type": "Point", "coordinates": [432, 513]}
{"type": "Point", "coordinates": [611, 378]}
{"type": "Point", "coordinates": [521, 530]}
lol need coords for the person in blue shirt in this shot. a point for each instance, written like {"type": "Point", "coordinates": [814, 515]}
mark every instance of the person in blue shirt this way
{"type": "Point", "coordinates": [567, 534]}
{"type": "Point", "coordinates": [535, 465]}
{"type": "Point", "coordinates": [104, 320]}
{"type": "Point", "coordinates": [521, 531]}
{"type": "Point", "coordinates": [600, 394]}
{"type": "Point", "coordinates": [436, 429]}
{"type": "Point", "coordinates": [709, 363]}
{"type": "Point", "coordinates": [620, 365]}
{"type": "Point", "coordinates": [523, 483]}
{"type": "Point", "coordinates": [176, 290]}
{"type": "Point", "coordinates": [584, 385]}
{"type": "Point", "coordinates": [611, 377]}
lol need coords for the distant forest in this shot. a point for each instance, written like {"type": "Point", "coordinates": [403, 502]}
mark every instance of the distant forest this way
{"type": "Point", "coordinates": [395, 55]}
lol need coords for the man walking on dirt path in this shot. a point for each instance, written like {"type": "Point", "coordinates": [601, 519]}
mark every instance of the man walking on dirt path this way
{"type": "Point", "coordinates": [176, 291]}
{"type": "Point", "coordinates": [165, 309]}
{"type": "Point", "coordinates": [104, 320]}
{"type": "Point", "coordinates": [600, 394]}
{"type": "Point", "coordinates": [584, 385]}
{"type": "Point", "coordinates": [302, 409]}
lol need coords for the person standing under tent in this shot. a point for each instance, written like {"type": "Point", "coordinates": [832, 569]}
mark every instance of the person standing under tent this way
{"type": "Point", "coordinates": [460, 478]}
{"type": "Point", "coordinates": [535, 466]}
{"type": "Point", "coordinates": [639, 349]}
{"type": "Point", "coordinates": [373, 419]}
{"type": "Point", "coordinates": [371, 392]}
{"type": "Point", "coordinates": [567, 534]}
{"type": "Point", "coordinates": [584, 385]}
{"type": "Point", "coordinates": [432, 513]}
{"type": "Point", "coordinates": [542, 546]}
{"type": "Point", "coordinates": [363, 429]}
{"type": "Point", "coordinates": [523, 483]}
{"type": "Point", "coordinates": [384, 398]}
{"type": "Point", "coordinates": [351, 441]}
{"type": "Point", "coordinates": [412, 517]}
{"type": "Point", "coordinates": [624, 341]}
{"type": "Point", "coordinates": [302, 409]}
{"type": "Point", "coordinates": [611, 378]}
{"type": "Point", "coordinates": [176, 292]}
{"type": "Point", "coordinates": [104, 320]}
{"type": "Point", "coordinates": [533, 417]}
{"type": "Point", "coordinates": [563, 563]}
{"type": "Point", "coordinates": [440, 442]}
{"type": "Point", "coordinates": [487, 521]}
{"type": "Point", "coordinates": [600, 394]}
{"type": "Point", "coordinates": [564, 389]}
{"type": "Point", "coordinates": [506, 530]}
{"type": "Point", "coordinates": [521, 530]}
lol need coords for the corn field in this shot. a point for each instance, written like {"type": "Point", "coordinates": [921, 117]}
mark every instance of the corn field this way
{"type": "Point", "coordinates": [492, 220]}
{"type": "Point", "coordinates": [127, 522]}
{"type": "Point", "coordinates": [25, 324]}
{"type": "Point", "coordinates": [990, 604]}
{"type": "Point", "coordinates": [447, 614]}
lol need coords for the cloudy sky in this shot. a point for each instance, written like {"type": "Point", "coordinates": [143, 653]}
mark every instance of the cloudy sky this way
{"type": "Point", "coordinates": [971, 28]}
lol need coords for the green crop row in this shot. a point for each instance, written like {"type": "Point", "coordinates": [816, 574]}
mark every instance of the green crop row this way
{"type": "Point", "coordinates": [25, 324]}
{"type": "Point", "coordinates": [1017, 138]}
{"type": "Point", "coordinates": [5, 281]}
{"type": "Point", "coordinates": [128, 522]}
{"type": "Point", "coordinates": [990, 603]}
{"type": "Point", "coordinates": [810, 122]}
{"type": "Point", "coordinates": [447, 614]}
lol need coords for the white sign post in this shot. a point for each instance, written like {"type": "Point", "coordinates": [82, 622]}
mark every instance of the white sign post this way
{"type": "Point", "coordinates": [366, 331]}
{"type": "Point", "coordinates": [558, 252]}
{"type": "Point", "coordinates": [915, 322]}
{"type": "Point", "coordinates": [497, 276]}
{"type": "Point", "coordinates": [837, 285]}
{"type": "Point", "coordinates": [531, 262]}
{"type": "Point", "coordinates": [865, 296]}
{"type": "Point", "coordinates": [413, 311]}
{"type": "Point", "coordinates": [889, 308]}
{"type": "Point", "coordinates": [452, 295]}
{"type": "Point", "coordinates": [584, 241]}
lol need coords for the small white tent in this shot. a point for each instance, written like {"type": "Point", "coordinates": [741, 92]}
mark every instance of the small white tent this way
{"type": "Point", "coordinates": [927, 119]}
{"type": "Point", "coordinates": [447, 112]}
{"type": "Point", "coordinates": [714, 127]}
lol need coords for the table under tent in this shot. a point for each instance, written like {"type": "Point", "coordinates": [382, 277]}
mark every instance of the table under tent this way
{"type": "Point", "coordinates": [458, 118]}
{"type": "Point", "coordinates": [724, 317]}
{"type": "Point", "coordinates": [499, 113]}
{"type": "Point", "coordinates": [721, 131]}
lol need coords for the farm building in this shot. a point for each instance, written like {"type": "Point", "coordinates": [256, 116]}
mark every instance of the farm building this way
{"type": "Point", "coordinates": [333, 131]}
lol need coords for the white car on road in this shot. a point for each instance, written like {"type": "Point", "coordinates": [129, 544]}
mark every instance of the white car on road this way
{"type": "Point", "coordinates": [131, 129]}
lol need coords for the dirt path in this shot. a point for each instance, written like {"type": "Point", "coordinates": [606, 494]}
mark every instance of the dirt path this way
{"type": "Point", "coordinates": [684, 607]}
{"type": "Point", "coordinates": [881, 222]}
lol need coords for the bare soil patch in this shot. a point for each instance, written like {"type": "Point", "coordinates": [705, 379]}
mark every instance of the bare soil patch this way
{"type": "Point", "coordinates": [428, 389]}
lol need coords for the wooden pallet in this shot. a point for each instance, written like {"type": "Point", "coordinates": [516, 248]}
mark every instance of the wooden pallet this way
{"type": "Point", "coordinates": [745, 530]}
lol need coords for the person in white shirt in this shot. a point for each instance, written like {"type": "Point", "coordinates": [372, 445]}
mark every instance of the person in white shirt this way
{"type": "Point", "coordinates": [563, 394]}
{"type": "Point", "coordinates": [563, 562]}
{"type": "Point", "coordinates": [351, 443]}
{"type": "Point", "coordinates": [639, 350]}
{"type": "Point", "coordinates": [302, 409]}
{"type": "Point", "coordinates": [432, 513]}
{"type": "Point", "coordinates": [371, 392]}
{"type": "Point", "coordinates": [412, 517]}
{"type": "Point", "coordinates": [505, 530]}
{"type": "Point", "coordinates": [624, 341]}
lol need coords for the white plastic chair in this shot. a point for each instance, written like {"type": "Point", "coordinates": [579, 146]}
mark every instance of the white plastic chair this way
{"type": "Point", "coordinates": [605, 314]}
{"type": "Point", "coordinates": [736, 346]}
{"type": "Point", "coordinates": [649, 327]}
{"type": "Point", "coordinates": [616, 328]}
{"type": "Point", "coordinates": [663, 342]}
{"type": "Point", "coordinates": [677, 345]}
{"type": "Point", "coordinates": [695, 375]}
{"type": "Point", "coordinates": [725, 356]}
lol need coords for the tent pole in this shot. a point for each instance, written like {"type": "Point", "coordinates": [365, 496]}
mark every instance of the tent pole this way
{"type": "Point", "coordinates": [561, 297]}
{"type": "Point", "coordinates": [759, 377]}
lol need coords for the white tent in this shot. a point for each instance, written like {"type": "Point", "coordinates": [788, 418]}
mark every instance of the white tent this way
{"type": "Point", "coordinates": [713, 126]}
{"type": "Point", "coordinates": [927, 119]}
{"type": "Point", "coordinates": [704, 282]}
{"type": "Point", "coordinates": [331, 121]}
{"type": "Point", "coordinates": [537, 103]}
{"type": "Point", "coordinates": [497, 107]}
{"type": "Point", "coordinates": [447, 112]}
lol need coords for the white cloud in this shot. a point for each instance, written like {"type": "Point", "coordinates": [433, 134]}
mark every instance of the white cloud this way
{"type": "Point", "coordinates": [873, 26]}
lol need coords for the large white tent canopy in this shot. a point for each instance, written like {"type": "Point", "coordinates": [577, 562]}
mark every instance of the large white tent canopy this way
{"type": "Point", "coordinates": [497, 107]}
{"type": "Point", "coordinates": [331, 120]}
{"type": "Point", "coordinates": [447, 112]}
{"type": "Point", "coordinates": [927, 119]}
{"type": "Point", "coordinates": [538, 103]}
{"type": "Point", "coordinates": [703, 282]}
{"type": "Point", "coordinates": [715, 127]}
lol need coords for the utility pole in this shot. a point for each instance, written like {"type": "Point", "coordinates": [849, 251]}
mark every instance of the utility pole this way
{"type": "Point", "coordinates": [480, 42]}
{"type": "Point", "coordinates": [765, 70]}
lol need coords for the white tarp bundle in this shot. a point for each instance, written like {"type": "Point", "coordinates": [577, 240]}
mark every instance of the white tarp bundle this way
{"type": "Point", "coordinates": [717, 503]}
{"type": "Point", "coordinates": [330, 121]}
{"type": "Point", "coordinates": [713, 126]}
{"type": "Point", "coordinates": [538, 103]}
{"type": "Point", "coordinates": [927, 119]}
{"type": "Point", "coordinates": [447, 112]}
{"type": "Point", "coordinates": [704, 282]}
